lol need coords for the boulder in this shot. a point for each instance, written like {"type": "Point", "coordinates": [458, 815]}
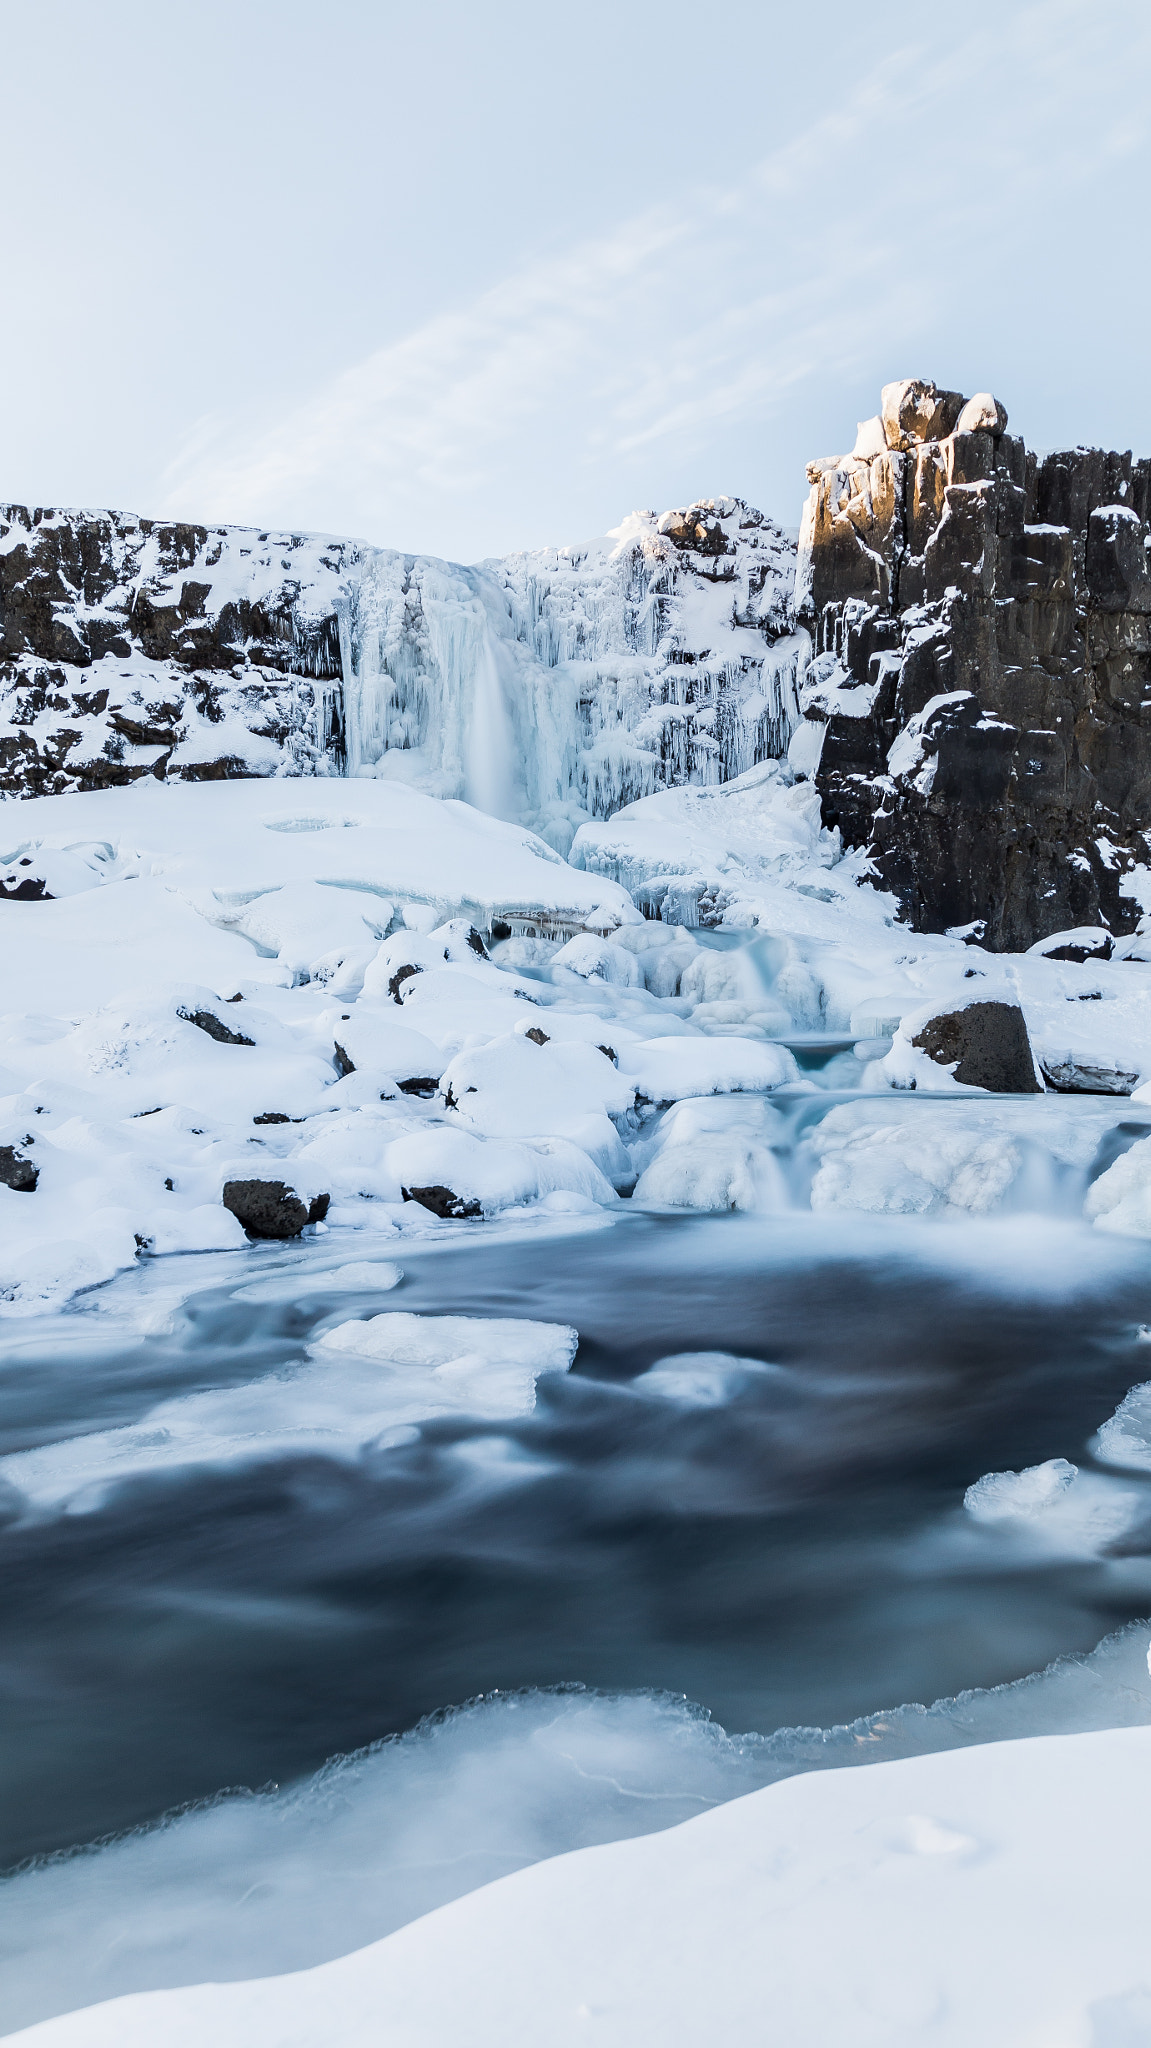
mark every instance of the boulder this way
{"type": "Point", "coordinates": [442, 1202]}
{"type": "Point", "coordinates": [270, 1208]}
{"type": "Point", "coordinates": [987, 1045]}
{"type": "Point", "coordinates": [982, 414]}
{"type": "Point", "coordinates": [16, 1172]}
{"type": "Point", "coordinates": [913, 411]}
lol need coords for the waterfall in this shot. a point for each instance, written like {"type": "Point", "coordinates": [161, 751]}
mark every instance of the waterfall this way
{"type": "Point", "coordinates": [489, 779]}
{"type": "Point", "coordinates": [563, 684]}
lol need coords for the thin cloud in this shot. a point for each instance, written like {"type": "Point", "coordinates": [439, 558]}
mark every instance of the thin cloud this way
{"type": "Point", "coordinates": [701, 310]}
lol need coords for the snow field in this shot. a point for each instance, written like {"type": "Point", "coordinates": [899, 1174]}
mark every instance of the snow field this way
{"type": "Point", "coordinates": [301, 983]}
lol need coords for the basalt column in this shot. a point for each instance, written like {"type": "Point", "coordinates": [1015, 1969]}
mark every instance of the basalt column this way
{"type": "Point", "coordinates": [982, 627]}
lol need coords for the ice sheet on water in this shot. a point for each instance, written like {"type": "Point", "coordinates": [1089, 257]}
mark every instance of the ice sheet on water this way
{"type": "Point", "coordinates": [250, 1885]}
{"type": "Point", "coordinates": [1069, 1511]}
{"type": "Point", "coordinates": [366, 1386]}
{"type": "Point", "coordinates": [702, 1379]}
{"type": "Point", "coordinates": [379, 1275]}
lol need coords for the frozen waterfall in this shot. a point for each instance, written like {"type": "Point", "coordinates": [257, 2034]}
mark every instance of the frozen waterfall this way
{"type": "Point", "coordinates": [563, 684]}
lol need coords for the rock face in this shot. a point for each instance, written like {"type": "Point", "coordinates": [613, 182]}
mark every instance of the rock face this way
{"type": "Point", "coordinates": [270, 1208]}
{"type": "Point", "coordinates": [130, 647]}
{"type": "Point", "coordinates": [981, 623]}
{"type": "Point", "coordinates": [986, 1044]}
{"type": "Point", "coordinates": [550, 685]}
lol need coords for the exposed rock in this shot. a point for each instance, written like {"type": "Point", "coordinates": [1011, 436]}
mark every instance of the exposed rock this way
{"type": "Point", "coordinates": [17, 1172]}
{"type": "Point", "coordinates": [982, 669]}
{"type": "Point", "coordinates": [990, 1043]}
{"type": "Point", "coordinates": [424, 1086]}
{"type": "Point", "coordinates": [982, 414]}
{"type": "Point", "coordinates": [1077, 946]}
{"type": "Point", "coordinates": [206, 1020]}
{"type": "Point", "coordinates": [442, 1202]}
{"type": "Point", "coordinates": [397, 980]}
{"type": "Point", "coordinates": [270, 1208]}
{"type": "Point", "coordinates": [125, 644]}
{"type": "Point", "coordinates": [18, 888]}
{"type": "Point", "coordinates": [537, 1036]}
{"type": "Point", "coordinates": [343, 1062]}
{"type": "Point", "coordinates": [912, 411]}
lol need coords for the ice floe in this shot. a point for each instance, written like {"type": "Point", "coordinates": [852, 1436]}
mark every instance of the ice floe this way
{"type": "Point", "coordinates": [364, 1388]}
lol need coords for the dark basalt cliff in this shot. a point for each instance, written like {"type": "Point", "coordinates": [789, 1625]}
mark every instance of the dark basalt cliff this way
{"type": "Point", "coordinates": [134, 646]}
{"type": "Point", "coordinates": [982, 629]}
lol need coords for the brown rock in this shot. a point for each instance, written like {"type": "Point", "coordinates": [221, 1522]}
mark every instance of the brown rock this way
{"type": "Point", "coordinates": [990, 1044]}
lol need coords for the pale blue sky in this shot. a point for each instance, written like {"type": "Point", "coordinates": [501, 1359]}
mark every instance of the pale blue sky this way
{"type": "Point", "coordinates": [464, 279]}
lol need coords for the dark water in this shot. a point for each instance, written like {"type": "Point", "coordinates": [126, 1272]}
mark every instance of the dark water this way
{"type": "Point", "coordinates": [797, 1556]}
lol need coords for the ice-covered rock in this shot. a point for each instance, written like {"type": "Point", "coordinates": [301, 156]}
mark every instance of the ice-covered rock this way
{"type": "Point", "coordinates": [1120, 1200]}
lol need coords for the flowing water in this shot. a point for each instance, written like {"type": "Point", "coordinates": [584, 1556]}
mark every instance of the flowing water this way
{"type": "Point", "coordinates": [779, 1544]}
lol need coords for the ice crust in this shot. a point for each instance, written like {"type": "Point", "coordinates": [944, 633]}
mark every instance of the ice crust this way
{"type": "Point", "coordinates": [905, 1870]}
{"type": "Point", "coordinates": [285, 1879]}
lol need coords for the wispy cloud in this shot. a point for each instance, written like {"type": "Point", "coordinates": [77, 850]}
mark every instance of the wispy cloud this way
{"type": "Point", "coordinates": [704, 306]}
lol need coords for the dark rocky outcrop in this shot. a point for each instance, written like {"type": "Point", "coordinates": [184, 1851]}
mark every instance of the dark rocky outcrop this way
{"type": "Point", "coordinates": [442, 1202]}
{"type": "Point", "coordinates": [207, 1021]}
{"type": "Point", "coordinates": [397, 980]}
{"type": "Point", "coordinates": [16, 887]}
{"type": "Point", "coordinates": [270, 1208]}
{"type": "Point", "coordinates": [981, 622]}
{"type": "Point", "coordinates": [124, 648]}
{"type": "Point", "coordinates": [17, 1172]}
{"type": "Point", "coordinates": [987, 1046]}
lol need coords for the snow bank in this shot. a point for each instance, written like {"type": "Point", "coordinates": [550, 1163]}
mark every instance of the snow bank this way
{"type": "Point", "coordinates": [993, 1894]}
{"type": "Point", "coordinates": [358, 991]}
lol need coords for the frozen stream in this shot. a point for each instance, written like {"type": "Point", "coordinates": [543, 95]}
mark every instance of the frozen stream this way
{"type": "Point", "coordinates": [783, 1542]}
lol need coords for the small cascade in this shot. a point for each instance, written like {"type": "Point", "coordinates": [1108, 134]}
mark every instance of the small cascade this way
{"type": "Point", "coordinates": [489, 780]}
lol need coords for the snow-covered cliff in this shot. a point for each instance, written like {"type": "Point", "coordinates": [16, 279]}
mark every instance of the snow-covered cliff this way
{"type": "Point", "coordinates": [551, 686]}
